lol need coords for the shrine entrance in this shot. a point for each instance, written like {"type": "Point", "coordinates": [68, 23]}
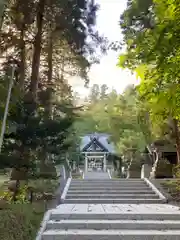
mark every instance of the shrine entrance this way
{"type": "Point", "coordinates": [95, 164]}
{"type": "Point", "coordinates": [95, 154]}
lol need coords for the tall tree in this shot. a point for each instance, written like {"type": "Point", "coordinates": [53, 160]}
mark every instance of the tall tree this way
{"type": "Point", "coordinates": [73, 23]}
{"type": "Point", "coordinates": [46, 42]}
{"type": "Point", "coordinates": [103, 91]}
{"type": "Point", "coordinates": [94, 93]}
{"type": "Point", "coordinates": [153, 52]}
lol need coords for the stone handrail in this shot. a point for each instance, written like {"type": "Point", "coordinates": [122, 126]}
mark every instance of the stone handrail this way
{"type": "Point", "coordinates": [63, 196]}
{"type": "Point", "coordinates": [109, 173]}
{"type": "Point", "coordinates": [146, 170]}
{"type": "Point", "coordinates": [154, 165]}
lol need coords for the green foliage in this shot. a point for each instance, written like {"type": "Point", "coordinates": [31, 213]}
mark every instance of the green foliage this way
{"type": "Point", "coordinates": [21, 197]}
{"type": "Point", "coordinates": [34, 132]}
{"type": "Point", "coordinates": [173, 188]}
{"type": "Point", "coordinates": [20, 221]}
{"type": "Point", "coordinates": [123, 116]}
{"type": "Point", "coordinates": [41, 106]}
{"type": "Point", "coordinates": [97, 92]}
{"type": "Point", "coordinates": [151, 34]}
{"type": "Point", "coordinates": [46, 43]}
{"type": "Point", "coordinates": [176, 171]}
{"type": "Point", "coordinates": [44, 185]}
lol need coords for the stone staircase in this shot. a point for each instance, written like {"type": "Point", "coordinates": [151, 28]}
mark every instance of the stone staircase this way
{"type": "Point", "coordinates": [112, 210]}
{"type": "Point", "coordinates": [111, 191]}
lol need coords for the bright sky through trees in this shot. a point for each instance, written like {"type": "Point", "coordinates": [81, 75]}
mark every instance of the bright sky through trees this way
{"type": "Point", "coordinates": [106, 72]}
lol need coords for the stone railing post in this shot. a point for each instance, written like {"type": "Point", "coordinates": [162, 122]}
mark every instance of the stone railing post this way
{"type": "Point", "coordinates": [146, 170]}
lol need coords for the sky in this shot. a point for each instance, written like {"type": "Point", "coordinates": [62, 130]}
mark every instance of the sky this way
{"type": "Point", "coordinates": [107, 72]}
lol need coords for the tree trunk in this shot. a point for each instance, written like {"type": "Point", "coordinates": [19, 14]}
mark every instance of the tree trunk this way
{"type": "Point", "coordinates": [19, 174]}
{"type": "Point", "coordinates": [2, 9]}
{"type": "Point", "coordinates": [50, 57]}
{"type": "Point", "coordinates": [22, 59]}
{"type": "Point", "coordinates": [50, 73]}
{"type": "Point", "coordinates": [46, 167]}
{"type": "Point", "coordinates": [21, 167]}
{"type": "Point", "coordinates": [37, 49]}
{"type": "Point", "coordinates": [177, 138]}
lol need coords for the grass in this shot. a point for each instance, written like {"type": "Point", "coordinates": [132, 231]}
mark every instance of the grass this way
{"type": "Point", "coordinates": [3, 178]}
{"type": "Point", "coordinates": [22, 221]}
{"type": "Point", "coordinates": [173, 188]}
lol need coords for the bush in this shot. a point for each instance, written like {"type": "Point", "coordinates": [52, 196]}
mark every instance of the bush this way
{"type": "Point", "coordinates": [44, 176]}
{"type": "Point", "coordinates": [173, 186]}
{"type": "Point", "coordinates": [176, 171]}
{"type": "Point", "coordinates": [44, 185]}
{"type": "Point", "coordinates": [21, 221]}
{"type": "Point", "coordinates": [163, 169]}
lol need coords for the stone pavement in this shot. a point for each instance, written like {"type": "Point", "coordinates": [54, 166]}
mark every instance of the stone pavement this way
{"type": "Point", "coordinates": [127, 209]}
{"type": "Point", "coordinates": [113, 221]}
{"type": "Point", "coordinates": [96, 175]}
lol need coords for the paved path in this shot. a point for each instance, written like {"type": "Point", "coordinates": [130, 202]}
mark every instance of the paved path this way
{"type": "Point", "coordinates": [126, 209]}
{"type": "Point", "coordinates": [96, 175]}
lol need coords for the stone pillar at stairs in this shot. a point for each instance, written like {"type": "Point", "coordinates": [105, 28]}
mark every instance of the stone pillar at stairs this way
{"type": "Point", "coordinates": [146, 170]}
{"type": "Point", "coordinates": [104, 162]}
{"type": "Point", "coordinates": [86, 162]}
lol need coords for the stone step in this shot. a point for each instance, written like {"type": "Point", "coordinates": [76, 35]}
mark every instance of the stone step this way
{"type": "Point", "coordinates": [72, 234]}
{"type": "Point", "coordinates": [114, 179]}
{"type": "Point", "coordinates": [108, 187]}
{"type": "Point", "coordinates": [112, 201]}
{"type": "Point", "coordinates": [111, 196]}
{"type": "Point", "coordinates": [154, 216]}
{"type": "Point", "coordinates": [108, 181]}
{"type": "Point", "coordinates": [114, 224]}
{"type": "Point", "coordinates": [111, 191]}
